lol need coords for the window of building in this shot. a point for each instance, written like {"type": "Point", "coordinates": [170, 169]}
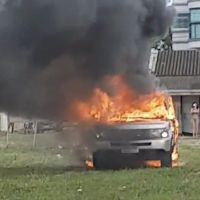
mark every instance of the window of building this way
{"type": "Point", "coordinates": [195, 31]}
{"type": "Point", "coordinates": [181, 21]}
{"type": "Point", "coordinates": [195, 23]}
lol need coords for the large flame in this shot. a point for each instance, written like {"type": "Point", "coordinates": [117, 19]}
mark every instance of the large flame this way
{"type": "Point", "coordinates": [123, 105]}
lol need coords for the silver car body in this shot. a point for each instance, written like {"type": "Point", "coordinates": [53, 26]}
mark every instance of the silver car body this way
{"type": "Point", "coordinates": [134, 137]}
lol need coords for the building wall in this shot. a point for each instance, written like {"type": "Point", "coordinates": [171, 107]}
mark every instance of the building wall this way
{"type": "Point", "coordinates": [5, 119]}
{"type": "Point", "coordinates": [3, 122]}
{"type": "Point", "coordinates": [177, 106]}
{"type": "Point", "coordinates": [182, 39]}
{"type": "Point", "coordinates": [18, 122]}
{"type": "Point", "coordinates": [189, 83]}
{"type": "Point", "coordinates": [182, 36]}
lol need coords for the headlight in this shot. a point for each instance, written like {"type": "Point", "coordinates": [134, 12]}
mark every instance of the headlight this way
{"type": "Point", "coordinates": [164, 134]}
{"type": "Point", "coordinates": [99, 135]}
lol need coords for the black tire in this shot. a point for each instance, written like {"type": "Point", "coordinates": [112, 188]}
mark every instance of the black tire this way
{"type": "Point", "coordinates": [166, 160]}
{"type": "Point", "coordinates": [103, 160]}
{"type": "Point", "coordinates": [99, 160]}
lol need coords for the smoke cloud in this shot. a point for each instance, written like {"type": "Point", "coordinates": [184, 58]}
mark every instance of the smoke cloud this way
{"type": "Point", "coordinates": [53, 52]}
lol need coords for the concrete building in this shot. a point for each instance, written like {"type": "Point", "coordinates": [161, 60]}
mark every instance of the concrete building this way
{"type": "Point", "coordinates": [184, 79]}
{"type": "Point", "coordinates": [179, 73]}
{"type": "Point", "coordinates": [3, 122]}
{"type": "Point", "coordinates": [179, 70]}
{"type": "Point", "coordinates": [186, 27]}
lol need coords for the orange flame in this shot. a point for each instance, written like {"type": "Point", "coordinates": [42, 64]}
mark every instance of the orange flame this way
{"type": "Point", "coordinates": [124, 106]}
{"type": "Point", "coordinates": [89, 164]}
{"type": "Point", "coordinates": [157, 164]}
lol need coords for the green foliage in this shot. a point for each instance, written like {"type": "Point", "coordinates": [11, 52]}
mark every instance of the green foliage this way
{"type": "Point", "coordinates": [39, 175]}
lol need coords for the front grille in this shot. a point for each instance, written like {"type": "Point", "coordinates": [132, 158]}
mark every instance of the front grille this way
{"type": "Point", "coordinates": [124, 135]}
{"type": "Point", "coordinates": [121, 144]}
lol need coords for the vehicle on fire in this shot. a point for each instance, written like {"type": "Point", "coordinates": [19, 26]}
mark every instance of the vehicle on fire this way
{"type": "Point", "coordinates": [121, 145]}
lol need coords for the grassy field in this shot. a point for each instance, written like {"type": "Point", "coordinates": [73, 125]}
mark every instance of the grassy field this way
{"type": "Point", "coordinates": [40, 174]}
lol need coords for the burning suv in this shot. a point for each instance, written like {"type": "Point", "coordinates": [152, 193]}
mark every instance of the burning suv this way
{"type": "Point", "coordinates": [132, 126]}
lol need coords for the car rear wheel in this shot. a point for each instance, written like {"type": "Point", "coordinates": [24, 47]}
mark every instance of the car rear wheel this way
{"type": "Point", "coordinates": [166, 160]}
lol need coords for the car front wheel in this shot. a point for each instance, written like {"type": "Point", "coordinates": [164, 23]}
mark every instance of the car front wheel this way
{"type": "Point", "coordinates": [166, 160]}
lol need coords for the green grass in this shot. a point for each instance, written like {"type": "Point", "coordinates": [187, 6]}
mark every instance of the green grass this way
{"type": "Point", "coordinates": [38, 174]}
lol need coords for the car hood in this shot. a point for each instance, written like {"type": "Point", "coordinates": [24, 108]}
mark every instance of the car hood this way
{"type": "Point", "coordinates": [139, 125]}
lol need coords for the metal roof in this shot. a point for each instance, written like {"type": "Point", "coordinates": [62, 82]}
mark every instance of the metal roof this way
{"type": "Point", "coordinates": [178, 63]}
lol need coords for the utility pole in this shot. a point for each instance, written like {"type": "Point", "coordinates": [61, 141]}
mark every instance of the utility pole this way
{"type": "Point", "coordinates": [35, 133]}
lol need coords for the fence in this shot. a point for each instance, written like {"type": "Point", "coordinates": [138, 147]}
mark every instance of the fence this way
{"type": "Point", "coordinates": [57, 148]}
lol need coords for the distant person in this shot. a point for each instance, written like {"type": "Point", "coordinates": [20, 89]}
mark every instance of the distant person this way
{"type": "Point", "coordinates": [26, 124]}
{"type": "Point", "coordinates": [195, 119]}
{"type": "Point", "coordinates": [11, 127]}
{"type": "Point", "coordinates": [30, 127]}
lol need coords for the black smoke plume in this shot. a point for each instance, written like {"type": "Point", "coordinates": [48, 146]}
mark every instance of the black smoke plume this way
{"type": "Point", "coordinates": [55, 51]}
